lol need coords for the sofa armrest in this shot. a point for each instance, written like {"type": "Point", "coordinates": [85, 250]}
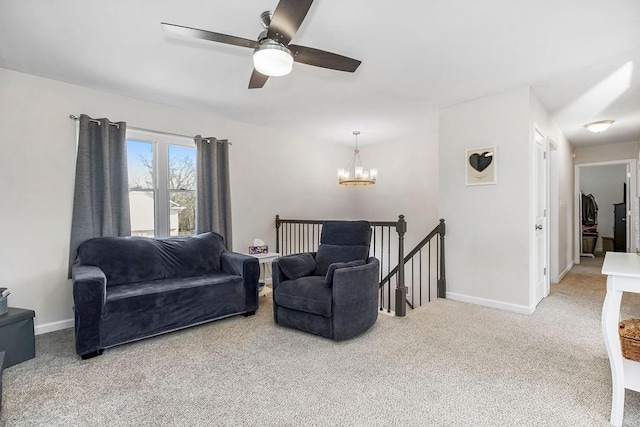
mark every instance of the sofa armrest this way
{"type": "Point", "coordinates": [89, 298]}
{"type": "Point", "coordinates": [249, 269]}
{"type": "Point", "coordinates": [355, 298]}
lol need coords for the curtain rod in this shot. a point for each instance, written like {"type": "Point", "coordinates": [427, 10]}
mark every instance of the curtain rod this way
{"type": "Point", "coordinates": [71, 116]}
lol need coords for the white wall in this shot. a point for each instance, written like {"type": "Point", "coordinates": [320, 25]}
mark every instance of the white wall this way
{"type": "Point", "coordinates": [606, 183]}
{"type": "Point", "coordinates": [487, 226]}
{"type": "Point", "coordinates": [490, 228]}
{"type": "Point", "coordinates": [407, 185]}
{"type": "Point", "coordinates": [606, 152]}
{"type": "Point", "coordinates": [271, 173]}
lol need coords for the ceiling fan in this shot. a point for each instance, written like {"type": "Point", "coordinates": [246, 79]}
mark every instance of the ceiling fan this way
{"type": "Point", "coordinates": [273, 54]}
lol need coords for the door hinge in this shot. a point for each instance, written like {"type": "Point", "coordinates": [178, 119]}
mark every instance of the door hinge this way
{"type": "Point", "coordinates": [628, 174]}
{"type": "Point", "coordinates": [544, 213]}
{"type": "Point", "coordinates": [544, 155]}
{"type": "Point", "coordinates": [545, 271]}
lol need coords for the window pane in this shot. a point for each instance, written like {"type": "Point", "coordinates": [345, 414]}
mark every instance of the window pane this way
{"type": "Point", "coordinates": [140, 164]}
{"type": "Point", "coordinates": [182, 167]}
{"type": "Point", "coordinates": [182, 213]}
{"type": "Point", "coordinates": [143, 218]}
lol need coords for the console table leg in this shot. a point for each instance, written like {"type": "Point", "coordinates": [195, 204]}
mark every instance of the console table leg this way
{"type": "Point", "coordinates": [610, 319]}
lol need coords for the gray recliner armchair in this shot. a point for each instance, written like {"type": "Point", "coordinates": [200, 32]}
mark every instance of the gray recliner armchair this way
{"type": "Point", "coordinates": [332, 292]}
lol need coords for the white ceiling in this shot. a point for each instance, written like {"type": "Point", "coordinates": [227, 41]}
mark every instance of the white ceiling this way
{"type": "Point", "coordinates": [417, 56]}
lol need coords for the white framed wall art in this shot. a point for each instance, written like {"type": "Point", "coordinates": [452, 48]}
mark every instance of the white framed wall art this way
{"type": "Point", "coordinates": [481, 166]}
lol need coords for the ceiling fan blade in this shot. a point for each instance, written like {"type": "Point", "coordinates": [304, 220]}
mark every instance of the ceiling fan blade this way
{"type": "Point", "coordinates": [324, 59]}
{"type": "Point", "coordinates": [287, 18]}
{"type": "Point", "coordinates": [257, 80]}
{"type": "Point", "coordinates": [208, 35]}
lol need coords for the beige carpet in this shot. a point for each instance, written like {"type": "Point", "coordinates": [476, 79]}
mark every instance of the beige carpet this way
{"type": "Point", "coordinates": [446, 364]}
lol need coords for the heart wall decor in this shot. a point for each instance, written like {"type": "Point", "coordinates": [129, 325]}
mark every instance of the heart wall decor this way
{"type": "Point", "coordinates": [480, 161]}
{"type": "Point", "coordinates": [481, 166]}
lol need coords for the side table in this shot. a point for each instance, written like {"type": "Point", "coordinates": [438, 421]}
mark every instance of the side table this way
{"type": "Point", "coordinates": [623, 275]}
{"type": "Point", "coordinates": [265, 261]}
{"type": "Point", "coordinates": [16, 336]}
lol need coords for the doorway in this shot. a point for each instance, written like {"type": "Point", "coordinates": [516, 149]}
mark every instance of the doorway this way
{"type": "Point", "coordinates": [604, 208]}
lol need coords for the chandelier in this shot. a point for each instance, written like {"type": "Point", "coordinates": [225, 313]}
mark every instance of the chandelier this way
{"type": "Point", "coordinates": [356, 173]}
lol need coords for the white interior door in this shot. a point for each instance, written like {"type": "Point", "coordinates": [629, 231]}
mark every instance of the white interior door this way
{"type": "Point", "coordinates": [541, 282]}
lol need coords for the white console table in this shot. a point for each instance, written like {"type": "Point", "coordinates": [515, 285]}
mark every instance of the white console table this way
{"type": "Point", "coordinates": [623, 271]}
{"type": "Point", "coordinates": [265, 261]}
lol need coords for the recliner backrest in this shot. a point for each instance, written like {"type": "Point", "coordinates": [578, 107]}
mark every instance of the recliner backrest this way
{"type": "Point", "coordinates": [346, 233]}
{"type": "Point", "coordinates": [342, 241]}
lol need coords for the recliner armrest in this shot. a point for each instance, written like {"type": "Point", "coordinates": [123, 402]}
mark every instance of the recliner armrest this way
{"type": "Point", "coordinates": [354, 281]}
{"type": "Point", "coordinates": [276, 272]}
{"type": "Point", "coordinates": [355, 298]}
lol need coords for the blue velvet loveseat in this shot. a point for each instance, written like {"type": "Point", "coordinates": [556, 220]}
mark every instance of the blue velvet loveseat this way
{"type": "Point", "coordinates": [129, 288]}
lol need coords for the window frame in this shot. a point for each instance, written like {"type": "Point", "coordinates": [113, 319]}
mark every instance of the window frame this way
{"type": "Point", "coordinates": [160, 174]}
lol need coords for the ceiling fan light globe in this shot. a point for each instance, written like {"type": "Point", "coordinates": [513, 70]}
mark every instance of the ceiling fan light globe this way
{"type": "Point", "coordinates": [272, 59]}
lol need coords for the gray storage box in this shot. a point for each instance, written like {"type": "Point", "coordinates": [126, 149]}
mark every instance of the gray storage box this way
{"type": "Point", "coordinates": [16, 336]}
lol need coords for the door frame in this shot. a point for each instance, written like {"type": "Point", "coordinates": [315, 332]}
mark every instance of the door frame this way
{"type": "Point", "coordinates": [632, 203]}
{"type": "Point", "coordinates": [553, 205]}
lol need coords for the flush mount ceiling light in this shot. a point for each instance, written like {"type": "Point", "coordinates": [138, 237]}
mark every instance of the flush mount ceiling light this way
{"type": "Point", "coordinates": [356, 173]}
{"type": "Point", "coordinates": [597, 127]}
{"type": "Point", "coordinates": [272, 59]}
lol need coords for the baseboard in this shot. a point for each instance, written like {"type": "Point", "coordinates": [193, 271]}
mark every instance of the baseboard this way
{"type": "Point", "coordinates": [566, 270]}
{"type": "Point", "coordinates": [53, 326]}
{"type": "Point", "coordinates": [522, 309]}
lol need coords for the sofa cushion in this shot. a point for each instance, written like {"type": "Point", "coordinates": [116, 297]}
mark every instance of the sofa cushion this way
{"type": "Point", "coordinates": [137, 259]}
{"type": "Point", "coordinates": [134, 311]}
{"type": "Point", "coordinates": [306, 294]}
{"type": "Point", "coordinates": [328, 279]}
{"type": "Point", "coordinates": [328, 254]}
{"type": "Point", "coordinates": [296, 266]}
{"type": "Point", "coordinates": [168, 285]}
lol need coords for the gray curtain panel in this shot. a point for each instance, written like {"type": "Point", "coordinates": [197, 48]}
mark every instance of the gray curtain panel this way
{"type": "Point", "coordinates": [101, 198]}
{"type": "Point", "coordinates": [213, 198]}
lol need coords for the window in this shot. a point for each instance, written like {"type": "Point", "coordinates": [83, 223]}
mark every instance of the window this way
{"type": "Point", "coordinates": [162, 184]}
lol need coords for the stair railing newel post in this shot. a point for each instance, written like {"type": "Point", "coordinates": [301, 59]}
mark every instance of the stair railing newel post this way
{"type": "Point", "coordinates": [401, 289]}
{"type": "Point", "coordinates": [278, 233]}
{"type": "Point", "coordinates": [442, 280]}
